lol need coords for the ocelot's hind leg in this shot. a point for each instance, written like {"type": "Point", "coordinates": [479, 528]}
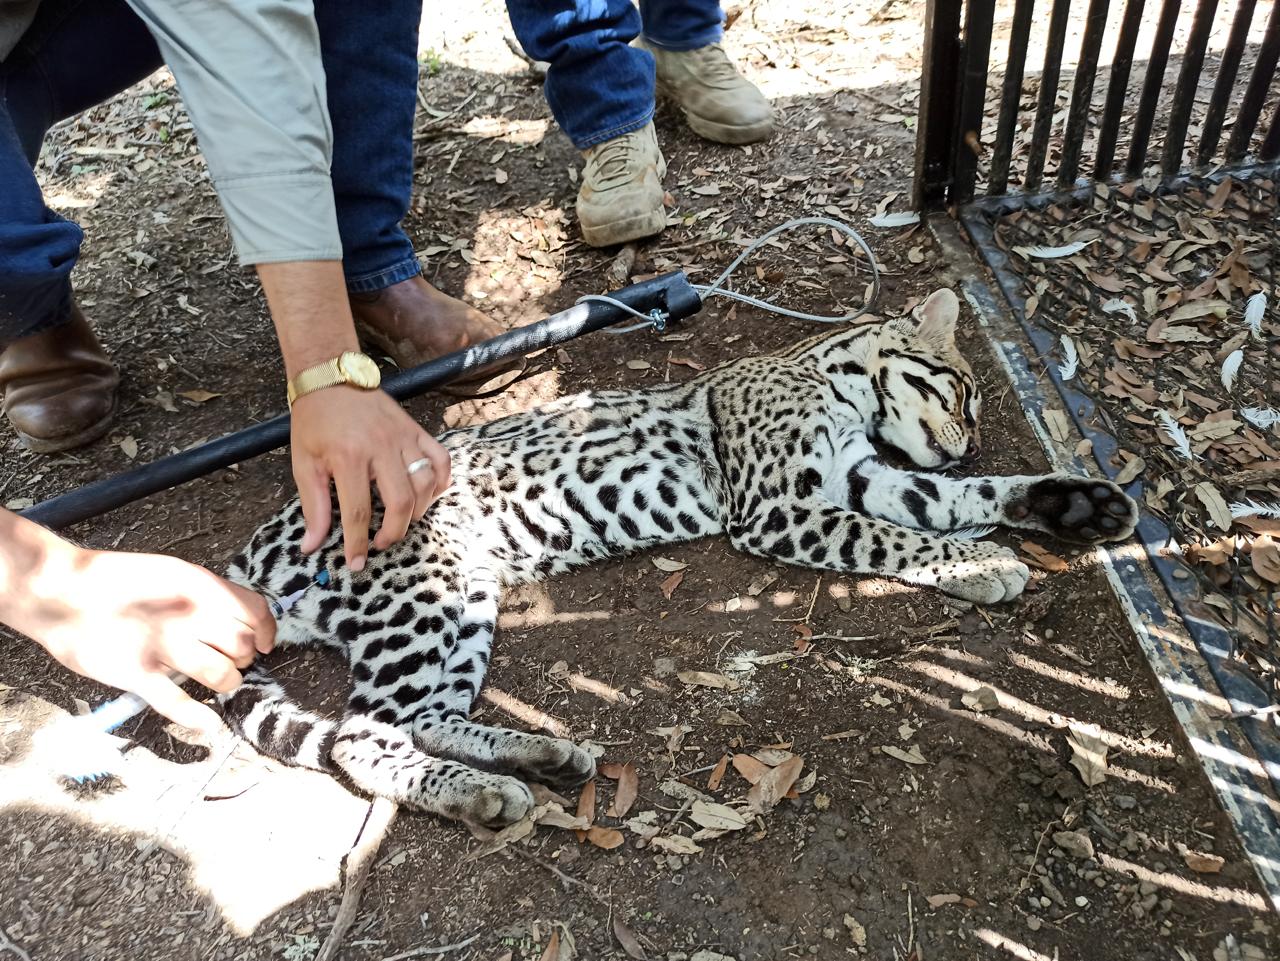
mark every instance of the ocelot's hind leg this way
{"type": "Point", "coordinates": [442, 728]}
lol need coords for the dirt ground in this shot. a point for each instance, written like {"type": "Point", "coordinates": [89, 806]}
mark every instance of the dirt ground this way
{"type": "Point", "coordinates": [930, 831]}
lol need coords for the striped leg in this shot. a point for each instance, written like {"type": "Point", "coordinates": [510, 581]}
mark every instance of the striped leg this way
{"type": "Point", "coordinates": [442, 729]}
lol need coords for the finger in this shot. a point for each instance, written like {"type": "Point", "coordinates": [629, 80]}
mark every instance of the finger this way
{"type": "Point", "coordinates": [353, 506]}
{"type": "Point", "coordinates": [175, 703]}
{"type": "Point", "coordinates": [397, 494]}
{"type": "Point", "coordinates": [202, 663]}
{"type": "Point", "coordinates": [422, 480]}
{"type": "Point", "coordinates": [255, 613]}
{"type": "Point", "coordinates": [317, 508]}
{"type": "Point", "coordinates": [441, 469]}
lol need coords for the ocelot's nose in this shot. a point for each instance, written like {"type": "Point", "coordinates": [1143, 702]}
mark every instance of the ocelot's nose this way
{"type": "Point", "coordinates": [972, 452]}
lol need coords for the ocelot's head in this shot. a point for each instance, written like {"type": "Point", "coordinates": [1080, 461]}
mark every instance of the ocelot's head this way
{"type": "Point", "coordinates": [927, 398]}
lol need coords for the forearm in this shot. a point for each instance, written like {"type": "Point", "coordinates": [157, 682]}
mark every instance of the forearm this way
{"type": "Point", "coordinates": [34, 567]}
{"type": "Point", "coordinates": [309, 306]}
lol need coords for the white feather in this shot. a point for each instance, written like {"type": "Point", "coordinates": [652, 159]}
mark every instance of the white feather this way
{"type": "Point", "coordinates": [1070, 359]}
{"type": "Point", "coordinates": [1263, 418]}
{"type": "Point", "coordinates": [1117, 306]}
{"type": "Point", "coordinates": [1052, 253]}
{"type": "Point", "coordinates": [903, 218]}
{"type": "Point", "coordinates": [1231, 367]}
{"type": "Point", "coordinates": [1254, 309]}
{"type": "Point", "coordinates": [970, 533]}
{"type": "Point", "coordinates": [1252, 508]}
{"type": "Point", "coordinates": [1177, 436]}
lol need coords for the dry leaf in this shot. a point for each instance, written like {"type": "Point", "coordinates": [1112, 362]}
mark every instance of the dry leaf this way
{"type": "Point", "coordinates": [910, 756]}
{"type": "Point", "coordinates": [639, 365]}
{"type": "Point", "coordinates": [667, 566]}
{"type": "Point", "coordinates": [668, 587]}
{"type": "Point", "coordinates": [1044, 559]}
{"type": "Point", "coordinates": [1264, 555]}
{"type": "Point", "coordinates": [1213, 502]}
{"type": "Point", "coordinates": [607, 838]}
{"type": "Point", "coordinates": [1058, 424]}
{"type": "Point", "coordinates": [628, 940]}
{"type": "Point", "coordinates": [1088, 756]}
{"type": "Point", "coordinates": [198, 396]}
{"type": "Point", "coordinates": [1133, 467]}
{"type": "Point", "coordinates": [713, 782]}
{"type": "Point", "coordinates": [708, 679]}
{"type": "Point", "coordinates": [771, 788]}
{"type": "Point", "coordinates": [675, 844]}
{"type": "Point", "coordinates": [717, 817]}
{"type": "Point", "coordinates": [1203, 863]}
{"type": "Point", "coordinates": [552, 952]}
{"type": "Point", "coordinates": [938, 900]}
{"type": "Point", "coordinates": [587, 807]}
{"type": "Point", "coordinates": [751, 769]}
{"type": "Point", "coordinates": [628, 788]}
{"type": "Point", "coordinates": [130, 447]}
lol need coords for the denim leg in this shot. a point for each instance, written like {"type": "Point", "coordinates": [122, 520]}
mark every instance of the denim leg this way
{"type": "Point", "coordinates": [597, 86]}
{"type": "Point", "coordinates": [682, 24]}
{"type": "Point", "coordinates": [57, 69]}
{"type": "Point", "coordinates": [370, 55]}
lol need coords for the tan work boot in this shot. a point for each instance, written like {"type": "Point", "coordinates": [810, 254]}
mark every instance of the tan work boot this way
{"type": "Point", "coordinates": [59, 387]}
{"type": "Point", "coordinates": [621, 194]}
{"type": "Point", "coordinates": [719, 103]}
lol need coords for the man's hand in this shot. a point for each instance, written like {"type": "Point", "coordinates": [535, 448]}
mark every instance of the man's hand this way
{"type": "Point", "coordinates": [342, 434]}
{"type": "Point", "coordinates": [131, 620]}
{"type": "Point", "coordinates": [353, 437]}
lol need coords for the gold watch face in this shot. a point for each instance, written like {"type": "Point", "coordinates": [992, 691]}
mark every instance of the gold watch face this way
{"type": "Point", "coordinates": [359, 370]}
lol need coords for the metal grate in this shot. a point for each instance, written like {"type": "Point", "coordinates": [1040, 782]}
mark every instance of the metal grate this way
{"type": "Point", "coordinates": [1033, 144]}
{"type": "Point", "coordinates": [1100, 319]}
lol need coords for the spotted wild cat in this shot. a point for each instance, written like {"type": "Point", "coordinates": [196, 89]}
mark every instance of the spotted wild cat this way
{"type": "Point", "coordinates": [774, 452]}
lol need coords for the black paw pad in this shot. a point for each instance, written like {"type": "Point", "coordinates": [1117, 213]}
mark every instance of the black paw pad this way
{"type": "Point", "coordinates": [1079, 509]}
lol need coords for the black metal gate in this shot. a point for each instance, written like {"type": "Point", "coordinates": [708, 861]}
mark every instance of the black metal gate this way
{"type": "Point", "coordinates": [953, 138]}
{"type": "Point", "coordinates": [1135, 232]}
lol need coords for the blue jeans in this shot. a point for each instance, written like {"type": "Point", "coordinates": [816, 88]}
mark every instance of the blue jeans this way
{"type": "Point", "coordinates": [79, 53]}
{"type": "Point", "coordinates": [597, 86]}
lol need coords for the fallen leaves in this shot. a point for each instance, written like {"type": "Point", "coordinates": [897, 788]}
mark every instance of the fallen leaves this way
{"type": "Point", "coordinates": [1043, 558]}
{"type": "Point", "coordinates": [912, 755]}
{"type": "Point", "coordinates": [1088, 755]}
{"type": "Point", "coordinates": [773, 786]}
{"type": "Point", "coordinates": [980, 699]}
{"type": "Point", "coordinates": [708, 679]}
{"type": "Point", "coordinates": [1203, 863]}
{"type": "Point", "coordinates": [628, 787]}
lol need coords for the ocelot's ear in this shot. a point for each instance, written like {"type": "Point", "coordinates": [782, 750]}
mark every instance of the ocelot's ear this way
{"type": "Point", "coordinates": [936, 320]}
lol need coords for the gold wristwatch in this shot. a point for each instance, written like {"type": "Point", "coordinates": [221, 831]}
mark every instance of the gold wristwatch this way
{"type": "Point", "coordinates": [352, 368]}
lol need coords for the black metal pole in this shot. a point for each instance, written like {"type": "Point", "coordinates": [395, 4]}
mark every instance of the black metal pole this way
{"type": "Point", "coordinates": [1152, 81]}
{"type": "Point", "coordinates": [1082, 94]}
{"type": "Point", "coordinates": [1255, 94]}
{"type": "Point", "coordinates": [1117, 89]}
{"type": "Point", "coordinates": [1046, 106]}
{"type": "Point", "coordinates": [935, 121]}
{"type": "Point", "coordinates": [1010, 98]}
{"type": "Point", "coordinates": [670, 293]}
{"type": "Point", "coordinates": [1227, 70]}
{"type": "Point", "coordinates": [1184, 95]}
{"type": "Point", "coordinates": [979, 15]}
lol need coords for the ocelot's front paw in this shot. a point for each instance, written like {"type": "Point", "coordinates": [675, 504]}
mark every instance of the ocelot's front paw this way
{"type": "Point", "coordinates": [989, 576]}
{"type": "Point", "coordinates": [1077, 509]}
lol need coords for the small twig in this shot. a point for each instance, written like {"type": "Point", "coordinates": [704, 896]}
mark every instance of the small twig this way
{"type": "Point", "coordinates": [567, 880]}
{"type": "Point", "coordinates": [688, 803]}
{"type": "Point", "coordinates": [182, 539]}
{"type": "Point", "coordinates": [7, 945]}
{"type": "Point", "coordinates": [423, 952]}
{"type": "Point", "coordinates": [619, 272]}
{"type": "Point", "coordinates": [382, 813]}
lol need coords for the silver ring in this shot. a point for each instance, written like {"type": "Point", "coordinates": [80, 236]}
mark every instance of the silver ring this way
{"type": "Point", "coordinates": [417, 465]}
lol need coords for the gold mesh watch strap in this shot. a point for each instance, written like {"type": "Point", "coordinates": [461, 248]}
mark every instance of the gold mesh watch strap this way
{"type": "Point", "coordinates": [315, 378]}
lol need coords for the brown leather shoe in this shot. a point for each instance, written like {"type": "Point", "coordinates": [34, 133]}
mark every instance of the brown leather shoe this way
{"type": "Point", "coordinates": [59, 387]}
{"type": "Point", "coordinates": [412, 322]}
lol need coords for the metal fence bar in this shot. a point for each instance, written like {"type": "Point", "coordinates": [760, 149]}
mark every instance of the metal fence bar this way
{"type": "Point", "coordinates": [1082, 93]}
{"type": "Point", "coordinates": [935, 124]}
{"type": "Point", "coordinates": [1228, 67]}
{"type": "Point", "coordinates": [1175, 137]}
{"type": "Point", "coordinates": [979, 15]}
{"type": "Point", "coordinates": [1151, 82]}
{"type": "Point", "coordinates": [1010, 97]}
{"type": "Point", "coordinates": [1118, 89]}
{"type": "Point", "coordinates": [1048, 94]}
{"type": "Point", "coordinates": [1256, 93]}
